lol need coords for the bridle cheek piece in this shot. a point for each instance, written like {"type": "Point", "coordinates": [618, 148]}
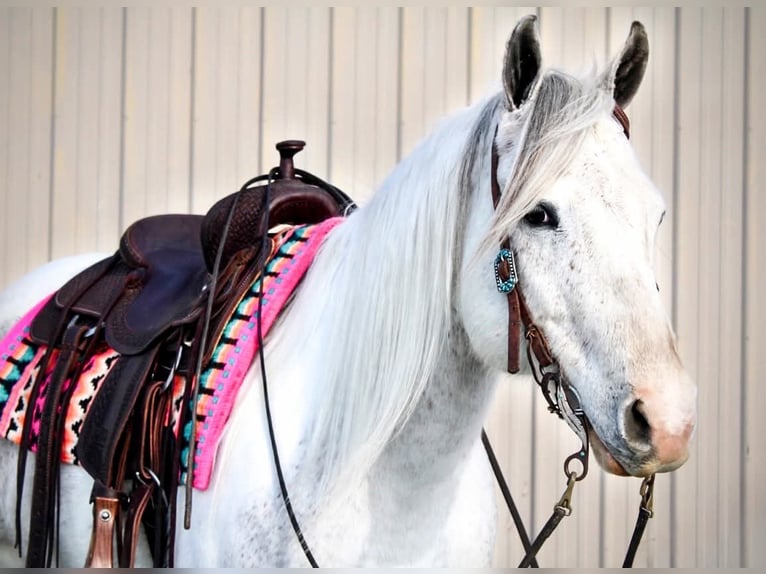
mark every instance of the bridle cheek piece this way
{"type": "Point", "coordinates": [561, 397]}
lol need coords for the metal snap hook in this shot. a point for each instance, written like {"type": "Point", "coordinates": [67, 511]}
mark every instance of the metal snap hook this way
{"type": "Point", "coordinates": [565, 502]}
{"type": "Point", "coordinates": [647, 495]}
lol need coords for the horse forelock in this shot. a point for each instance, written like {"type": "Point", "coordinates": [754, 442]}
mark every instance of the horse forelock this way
{"type": "Point", "coordinates": [547, 133]}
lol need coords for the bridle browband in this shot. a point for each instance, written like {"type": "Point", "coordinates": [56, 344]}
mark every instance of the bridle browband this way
{"type": "Point", "coordinates": [561, 397]}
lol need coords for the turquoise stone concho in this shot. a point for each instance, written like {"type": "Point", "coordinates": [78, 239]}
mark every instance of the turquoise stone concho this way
{"type": "Point", "coordinates": [506, 285]}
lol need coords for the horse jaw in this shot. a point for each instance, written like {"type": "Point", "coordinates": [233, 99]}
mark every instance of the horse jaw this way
{"type": "Point", "coordinates": [604, 457]}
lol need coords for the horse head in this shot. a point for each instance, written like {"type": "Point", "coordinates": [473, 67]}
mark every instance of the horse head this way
{"type": "Point", "coordinates": [581, 218]}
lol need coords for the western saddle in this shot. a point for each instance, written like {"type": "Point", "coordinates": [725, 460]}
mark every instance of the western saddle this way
{"type": "Point", "coordinates": [157, 301]}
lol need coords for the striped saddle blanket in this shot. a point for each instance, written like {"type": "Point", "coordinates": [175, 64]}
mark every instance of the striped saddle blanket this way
{"type": "Point", "coordinates": [221, 377]}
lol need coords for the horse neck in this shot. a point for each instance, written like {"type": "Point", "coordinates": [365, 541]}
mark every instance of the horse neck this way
{"type": "Point", "coordinates": [446, 422]}
{"type": "Point", "coordinates": [378, 306]}
{"type": "Point", "coordinates": [414, 483]}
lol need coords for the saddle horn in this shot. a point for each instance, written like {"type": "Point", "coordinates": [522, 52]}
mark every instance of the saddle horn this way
{"type": "Point", "coordinates": [295, 197]}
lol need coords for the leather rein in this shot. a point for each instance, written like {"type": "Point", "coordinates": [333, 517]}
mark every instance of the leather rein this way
{"type": "Point", "coordinates": [561, 397]}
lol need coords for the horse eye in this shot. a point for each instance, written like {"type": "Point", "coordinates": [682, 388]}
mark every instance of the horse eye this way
{"type": "Point", "coordinates": [543, 215]}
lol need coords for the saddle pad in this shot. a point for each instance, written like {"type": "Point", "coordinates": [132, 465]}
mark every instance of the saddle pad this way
{"type": "Point", "coordinates": [220, 380]}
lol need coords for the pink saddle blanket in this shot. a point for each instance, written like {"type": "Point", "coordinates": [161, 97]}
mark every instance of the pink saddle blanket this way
{"type": "Point", "coordinates": [221, 378]}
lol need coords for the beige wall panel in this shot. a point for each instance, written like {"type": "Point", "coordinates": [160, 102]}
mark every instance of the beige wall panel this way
{"type": "Point", "coordinates": [15, 160]}
{"type": "Point", "coordinates": [434, 69]}
{"type": "Point", "coordinates": [249, 101]}
{"type": "Point", "coordinates": [709, 294]}
{"type": "Point", "coordinates": [574, 39]}
{"type": "Point", "coordinates": [688, 214]}
{"type": "Point", "coordinates": [365, 98]}
{"type": "Point", "coordinates": [226, 104]}
{"type": "Point", "coordinates": [751, 420]}
{"type": "Point", "coordinates": [216, 92]}
{"type": "Point", "coordinates": [39, 128]}
{"type": "Point", "coordinates": [344, 67]}
{"type": "Point", "coordinates": [86, 145]}
{"type": "Point", "coordinates": [296, 78]}
{"type": "Point", "coordinates": [25, 131]}
{"type": "Point", "coordinates": [728, 341]}
{"type": "Point", "coordinates": [384, 135]}
{"type": "Point", "coordinates": [363, 114]}
{"type": "Point", "coordinates": [102, 167]}
{"type": "Point", "coordinates": [709, 286]}
{"type": "Point", "coordinates": [157, 100]}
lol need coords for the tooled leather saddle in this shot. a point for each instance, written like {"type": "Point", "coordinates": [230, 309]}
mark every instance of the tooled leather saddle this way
{"type": "Point", "coordinates": [157, 301]}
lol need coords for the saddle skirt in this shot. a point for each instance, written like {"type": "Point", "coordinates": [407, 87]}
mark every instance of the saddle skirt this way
{"type": "Point", "coordinates": [20, 357]}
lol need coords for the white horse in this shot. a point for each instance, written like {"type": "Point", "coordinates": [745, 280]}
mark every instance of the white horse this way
{"type": "Point", "coordinates": [383, 368]}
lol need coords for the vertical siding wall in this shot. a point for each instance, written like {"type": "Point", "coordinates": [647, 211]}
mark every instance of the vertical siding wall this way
{"type": "Point", "coordinates": [107, 115]}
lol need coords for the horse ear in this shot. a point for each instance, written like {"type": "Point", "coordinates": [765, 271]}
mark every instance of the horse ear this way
{"type": "Point", "coordinates": [629, 68]}
{"type": "Point", "coordinates": [521, 66]}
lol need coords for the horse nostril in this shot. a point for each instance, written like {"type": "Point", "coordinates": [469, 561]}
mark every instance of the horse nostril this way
{"type": "Point", "coordinates": [637, 428]}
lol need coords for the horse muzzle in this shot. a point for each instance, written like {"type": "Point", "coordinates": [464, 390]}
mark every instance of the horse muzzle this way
{"type": "Point", "coordinates": [655, 436]}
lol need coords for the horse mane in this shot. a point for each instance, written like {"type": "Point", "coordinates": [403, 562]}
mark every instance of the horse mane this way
{"type": "Point", "coordinates": [388, 273]}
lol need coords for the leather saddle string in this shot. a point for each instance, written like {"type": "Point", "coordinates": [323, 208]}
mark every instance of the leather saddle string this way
{"type": "Point", "coordinates": [195, 383]}
{"type": "Point", "coordinates": [155, 414]}
{"type": "Point", "coordinates": [187, 416]}
{"type": "Point", "coordinates": [42, 519]}
{"type": "Point", "coordinates": [33, 397]}
{"type": "Point", "coordinates": [92, 341]}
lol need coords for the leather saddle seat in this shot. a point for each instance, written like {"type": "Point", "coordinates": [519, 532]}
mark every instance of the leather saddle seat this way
{"type": "Point", "coordinates": [157, 279]}
{"type": "Point", "coordinates": [154, 282]}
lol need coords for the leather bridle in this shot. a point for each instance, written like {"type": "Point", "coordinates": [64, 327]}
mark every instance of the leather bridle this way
{"type": "Point", "coordinates": [561, 397]}
{"type": "Point", "coordinates": [507, 279]}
